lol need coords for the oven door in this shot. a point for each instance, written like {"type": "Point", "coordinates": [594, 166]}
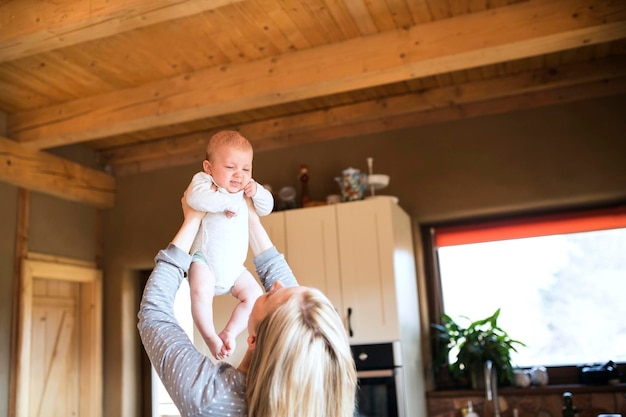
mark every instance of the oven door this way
{"type": "Point", "coordinates": [378, 395]}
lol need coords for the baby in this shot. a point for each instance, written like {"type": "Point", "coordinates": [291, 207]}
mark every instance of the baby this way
{"type": "Point", "coordinates": [221, 245]}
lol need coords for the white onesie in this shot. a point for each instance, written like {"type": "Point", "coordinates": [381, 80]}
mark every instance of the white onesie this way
{"type": "Point", "coordinates": [223, 241]}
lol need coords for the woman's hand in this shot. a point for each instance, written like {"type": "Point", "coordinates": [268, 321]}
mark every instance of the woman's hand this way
{"type": "Point", "coordinates": [191, 223]}
{"type": "Point", "coordinates": [253, 216]}
{"type": "Point", "coordinates": [189, 213]}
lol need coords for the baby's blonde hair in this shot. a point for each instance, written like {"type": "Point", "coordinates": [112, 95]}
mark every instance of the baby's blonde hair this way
{"type": "Point", "coordinates": [227, 138]}
{"type": "Point", "coordinates": [302, 364]}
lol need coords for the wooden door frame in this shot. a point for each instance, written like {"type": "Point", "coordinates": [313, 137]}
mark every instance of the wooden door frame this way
{"type": "Point", "coordinates": [38, 266]}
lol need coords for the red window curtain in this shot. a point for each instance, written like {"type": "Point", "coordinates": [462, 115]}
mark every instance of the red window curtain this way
{"type": "Point", "coordinates": [612, 218]}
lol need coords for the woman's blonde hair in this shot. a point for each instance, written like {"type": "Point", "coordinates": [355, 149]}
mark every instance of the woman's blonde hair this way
{"type": "Point", "coordinates": [302, 364]}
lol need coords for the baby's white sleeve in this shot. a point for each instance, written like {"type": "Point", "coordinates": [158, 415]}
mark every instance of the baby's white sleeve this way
{"type": "Point", "coordinates": [201, 197]}
{"type": "Point", "coordinates": [263, 201]}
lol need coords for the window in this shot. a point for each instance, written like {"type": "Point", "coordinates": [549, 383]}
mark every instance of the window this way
{"type": "Point", "coordinates": [559, 281]}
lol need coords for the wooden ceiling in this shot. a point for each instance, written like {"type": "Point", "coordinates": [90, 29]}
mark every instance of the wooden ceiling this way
{"type": "Point", "coordinates": [145, 82]}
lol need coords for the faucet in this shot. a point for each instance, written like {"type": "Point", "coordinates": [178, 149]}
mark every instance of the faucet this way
{"type": "Point", "coordinates": [491, 387]}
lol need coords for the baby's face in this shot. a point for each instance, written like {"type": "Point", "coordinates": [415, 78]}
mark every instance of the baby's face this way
{"type": "Point", "coordinates": [231, 168]}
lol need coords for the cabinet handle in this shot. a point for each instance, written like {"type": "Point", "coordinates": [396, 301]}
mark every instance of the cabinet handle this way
{"type": "Point", "coordinates": [350, 322]}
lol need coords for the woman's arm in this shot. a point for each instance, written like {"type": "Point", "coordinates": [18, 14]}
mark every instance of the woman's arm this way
{"type": "Point", "coordinates": [258, 237]}
{"type": "Point", "coordinates": [185, 372]}
{"type": "Point", "coordinates": [186, 234]}
{"type": "Point", "coordinates": [270, 264]}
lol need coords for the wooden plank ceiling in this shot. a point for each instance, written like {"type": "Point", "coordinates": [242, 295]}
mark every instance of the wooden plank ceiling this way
{"type": "Point", "coordinates": [144, 82]}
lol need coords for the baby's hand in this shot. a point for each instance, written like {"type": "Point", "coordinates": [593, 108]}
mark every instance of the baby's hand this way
{"type": "Point", "coordinates": [230, 214]}
{"type": "Point", "coordinates": [250, 188]}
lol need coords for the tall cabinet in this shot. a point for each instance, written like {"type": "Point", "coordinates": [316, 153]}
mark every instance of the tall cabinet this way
{"type": "Point", "coordinates": [361, 255]}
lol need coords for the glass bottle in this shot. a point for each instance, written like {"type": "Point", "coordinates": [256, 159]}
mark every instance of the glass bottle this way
{"type": "Point", "coordinates": [304, 184]}
{"type": "Point", "coordinates": [569, 410]}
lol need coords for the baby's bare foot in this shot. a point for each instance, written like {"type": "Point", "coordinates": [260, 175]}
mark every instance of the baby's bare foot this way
{"type": "Point", "coordinates": [229, 341]}
{"type": "Point", "coordinates": [216, 346]}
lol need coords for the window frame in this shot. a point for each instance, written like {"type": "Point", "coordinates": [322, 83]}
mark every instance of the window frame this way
{"type": "Point", "coordinates": [567, 375]}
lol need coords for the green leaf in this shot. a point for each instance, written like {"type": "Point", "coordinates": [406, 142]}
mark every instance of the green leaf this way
{"type": "Point", "coordinates": [480, 341]}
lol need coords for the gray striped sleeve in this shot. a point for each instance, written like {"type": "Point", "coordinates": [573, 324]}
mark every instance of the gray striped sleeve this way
{"type": "Point", "coordinates": [271, 266]}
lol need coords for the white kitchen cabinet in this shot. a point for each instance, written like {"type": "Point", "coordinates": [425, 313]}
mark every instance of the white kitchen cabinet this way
{"type": "Point", "coordinates": [360, 254]}
{"type": "Point", "coordinates": [312, 250]}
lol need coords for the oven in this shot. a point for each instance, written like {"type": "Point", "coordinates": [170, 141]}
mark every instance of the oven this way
{"type": "Point", "coordinates": [381, 386]}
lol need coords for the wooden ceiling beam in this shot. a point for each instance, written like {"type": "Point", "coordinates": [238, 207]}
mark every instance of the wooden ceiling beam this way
{"type": "Point", "coordinates": [452, 113]}
{"type": "Point", "coordinates": [503, 34]}
{"type": "Point", "coordinates": [48, 174]}
{"type": "Point", "coordinates": [501, 105]}
{"type": "Point", "coordinates": [36, 27]}
{"type": "Point", "coordinates": [418, 107]}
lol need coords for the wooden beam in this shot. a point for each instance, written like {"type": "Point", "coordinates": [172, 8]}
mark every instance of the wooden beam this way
{"type": "Point", "coordinates": [3, 123]}
{"type": "Point", "coordinates": [275, 133]}
{"type": "Point", "coordinates": [457, 112]}
{"type": "Point", "coordinates": [36, 27]}
{"type": "Point", "coordinates": [48, 174]}
{"type": "Point", "coordinates": [385, 124]}
{"type": "Point", "coordinates": [503, 34]}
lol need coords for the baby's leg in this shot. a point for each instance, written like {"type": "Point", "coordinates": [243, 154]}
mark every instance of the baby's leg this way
{"type": "Point", "coordinates": [246, 290]}
{"type": "Point", "coordinates": [202, 289]}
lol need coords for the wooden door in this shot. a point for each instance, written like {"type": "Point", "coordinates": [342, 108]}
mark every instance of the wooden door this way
{"type": "Point", "coordinates": [59, 371]}
{"type": "Point", "coordinates": [54, 366]}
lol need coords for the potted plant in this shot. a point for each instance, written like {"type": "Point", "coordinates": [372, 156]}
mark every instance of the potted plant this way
{"type": "Point", "coordinates": [480, 341]}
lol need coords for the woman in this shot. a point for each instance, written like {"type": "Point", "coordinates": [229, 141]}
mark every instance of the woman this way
{"type": "Point", "coordinates": [298, 361]}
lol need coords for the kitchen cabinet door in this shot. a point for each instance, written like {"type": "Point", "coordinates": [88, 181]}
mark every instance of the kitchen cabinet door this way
{"type": "Point", "coordinates": [366, 253]}
{"type": "Point", "coordinates": [275, 226]}
{"type": "Point", "coordinates": [312, 252]}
